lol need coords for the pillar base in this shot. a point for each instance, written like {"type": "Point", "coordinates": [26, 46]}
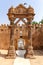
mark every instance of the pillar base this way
{"type": "Point", "coordinates": [10, 57]}
{"type": "Point", "coordinates": [29, 52]}
{"type": "Point", "coordinates": [26, 55]}
{"type": "Point", "coordinates": [29, 56]}
{"type": "Point", "coordinates": [11, 53]}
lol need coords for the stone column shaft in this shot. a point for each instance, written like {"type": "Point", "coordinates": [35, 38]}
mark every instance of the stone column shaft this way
{"type": "Point", "coordinates": [11, 50]}
{"type": "Point", "coordinates": [29, 50]}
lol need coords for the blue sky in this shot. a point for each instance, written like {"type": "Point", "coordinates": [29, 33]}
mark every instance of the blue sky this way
{"type": "Point", "coordinates": [6, 4]}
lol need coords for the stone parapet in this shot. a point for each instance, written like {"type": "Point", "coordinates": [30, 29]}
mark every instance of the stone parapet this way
{"type": "Point", "coordinates": [37, 30]}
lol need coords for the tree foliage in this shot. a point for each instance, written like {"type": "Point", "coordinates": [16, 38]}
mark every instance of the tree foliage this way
{"type": "Point", "coordinates": [34, 22]}
{"type": "Point", "coordinates": [41, 21]}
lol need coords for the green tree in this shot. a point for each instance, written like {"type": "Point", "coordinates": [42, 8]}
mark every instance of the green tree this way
{"type": "Point", "coordinates": [41, 21]}
{"type": "Point", "coordinates": [34, 22]}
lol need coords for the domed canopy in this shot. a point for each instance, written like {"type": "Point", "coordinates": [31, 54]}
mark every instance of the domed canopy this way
{"type": "Point", "coordinates": [11, 10]}
{"type": "Point", "coordinates": [21, 9]}
{"type": "Point", "coordinates": [21, 6]}
{"type": "Point", "coordinates": [20, 12]}
{"type": "Point", "coordinates": [30, 10]}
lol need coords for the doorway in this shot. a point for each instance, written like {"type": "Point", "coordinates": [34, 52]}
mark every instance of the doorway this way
{"type": "Point", "coordinates": [20, 52]}
{"type": "Point", "coordinates": [20, 44]}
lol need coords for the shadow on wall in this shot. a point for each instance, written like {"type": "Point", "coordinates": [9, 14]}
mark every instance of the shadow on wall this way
{"type": "Point", "coordinates": [38, 40]}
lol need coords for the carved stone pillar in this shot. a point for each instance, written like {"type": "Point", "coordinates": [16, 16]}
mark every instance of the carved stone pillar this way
{"type": "Point", "coordinates": [11, 50]}
{"type": "Point", "coordinates": [29, 51]}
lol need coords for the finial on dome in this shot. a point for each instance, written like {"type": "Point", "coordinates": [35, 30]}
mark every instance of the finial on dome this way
{"type": "Point", "coordinates": [12, 6]}
{"type": "Point", "coordinates": [30, 7]}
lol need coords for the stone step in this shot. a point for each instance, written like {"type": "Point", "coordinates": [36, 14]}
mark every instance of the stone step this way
{"type": "Point", "coordinates": [20, 52]}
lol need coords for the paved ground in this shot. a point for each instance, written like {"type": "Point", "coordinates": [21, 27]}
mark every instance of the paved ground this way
{"type": "Point", "coordinates": [17, 61]}
{"type": "Point", "coordinates": [21, 61]}
{"type": "Point", "coordinates": [38, 58]}
{"type": "Point", "coordinates": [4, 61]}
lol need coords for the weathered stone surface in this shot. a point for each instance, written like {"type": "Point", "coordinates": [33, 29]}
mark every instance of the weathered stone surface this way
{"type": "Point", "coordinates": [5, 36]}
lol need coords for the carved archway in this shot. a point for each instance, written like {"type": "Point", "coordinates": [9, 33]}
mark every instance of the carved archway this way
{"type": "Point", "coordinates": [20, 12]}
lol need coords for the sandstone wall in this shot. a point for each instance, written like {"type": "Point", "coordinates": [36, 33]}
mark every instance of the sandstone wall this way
{"type": "Point", "coordinates": [37, 36]}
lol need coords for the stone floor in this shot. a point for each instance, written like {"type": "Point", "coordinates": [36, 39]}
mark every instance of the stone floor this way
{"type": "Point", "coordinates": [38, 60]}
{"type": "Point", "coordinates": [17, 61]}
{"type": "Point", "coordinates": [4, 61]}
{"type": "Point", "coordinates": [21, 61]}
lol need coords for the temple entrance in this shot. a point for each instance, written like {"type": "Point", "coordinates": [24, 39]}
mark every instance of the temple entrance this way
{"type": "Point", "coordinates": [20, 44]}
{"type": "Point", "coordinates": [20, 52]}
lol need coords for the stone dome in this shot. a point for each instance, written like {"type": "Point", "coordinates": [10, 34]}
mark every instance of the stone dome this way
{"type": "Point", "coordinates": [30, 10]}
{"type": "Point", "coordinates": [11, 10]}
{"type": "Point", "coordinates": [20, 9]}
